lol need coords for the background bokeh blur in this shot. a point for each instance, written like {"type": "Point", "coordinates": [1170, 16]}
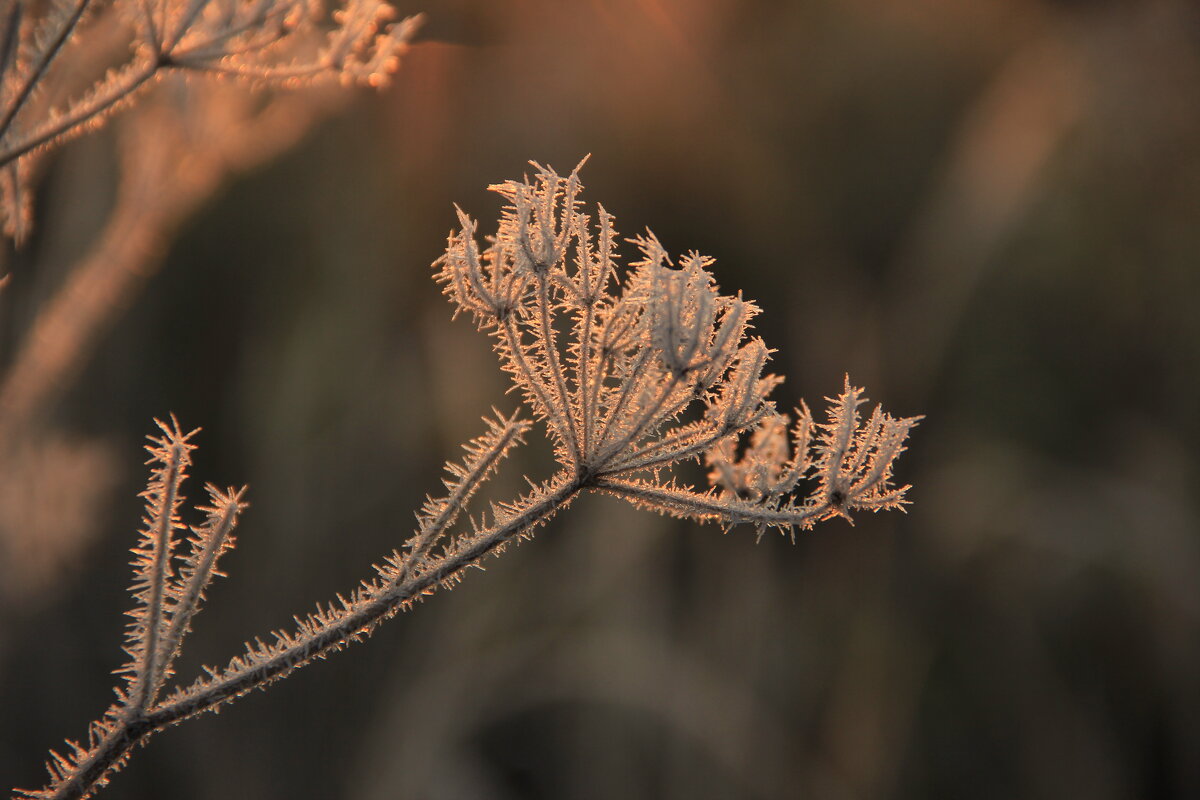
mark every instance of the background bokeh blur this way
{"type": "Point", "coordinates": [985, 212]}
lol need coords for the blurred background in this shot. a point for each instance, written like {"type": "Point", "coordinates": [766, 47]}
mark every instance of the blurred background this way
{"type": "Point", "coordinates": [985, 212]}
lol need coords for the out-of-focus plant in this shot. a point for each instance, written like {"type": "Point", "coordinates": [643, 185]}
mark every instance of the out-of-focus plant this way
{"type": "Point", "coordinates": [44, 98]}
{"type": "Point", "coordinates": [68, 66]}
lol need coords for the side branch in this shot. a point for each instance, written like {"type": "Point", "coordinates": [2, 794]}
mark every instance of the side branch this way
{"type": "Point", "coordinates": [209, 542]}
{"type": "Point", "coordinates": [132, 78]}
{"type": "Point", "coordinates": [532, 383]}
{"type": "Point", "coordinates": [550, 353]}
{"type": "Point", "coordinates": [683, 502]}
{"type": "Point", "coordinates": [485, 453]}
{"type": "Point", "coordinates": [37, 70]}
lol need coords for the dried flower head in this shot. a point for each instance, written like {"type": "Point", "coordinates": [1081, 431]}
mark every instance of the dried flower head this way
{"type": "Point", "coordinates": [642, 349]}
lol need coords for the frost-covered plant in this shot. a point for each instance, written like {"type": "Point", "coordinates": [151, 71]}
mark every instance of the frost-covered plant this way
{"type": "Point", "coordinates": [50, 91]}
{"type": "Point", "coordinates": [630, 373]}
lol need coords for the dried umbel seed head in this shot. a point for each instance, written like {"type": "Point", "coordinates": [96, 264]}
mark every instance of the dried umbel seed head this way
{"type": "Point", "coordinates": [644, 344]}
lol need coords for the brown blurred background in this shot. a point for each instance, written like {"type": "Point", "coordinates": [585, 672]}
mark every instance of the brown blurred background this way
{"type": "Point", "coordinates": [985, 212]}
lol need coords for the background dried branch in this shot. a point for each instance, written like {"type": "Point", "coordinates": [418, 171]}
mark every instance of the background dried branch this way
{"type": "Point", "coordinates": [985, 212]}
{"type": "Point", "coordinates": [180, 137]}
